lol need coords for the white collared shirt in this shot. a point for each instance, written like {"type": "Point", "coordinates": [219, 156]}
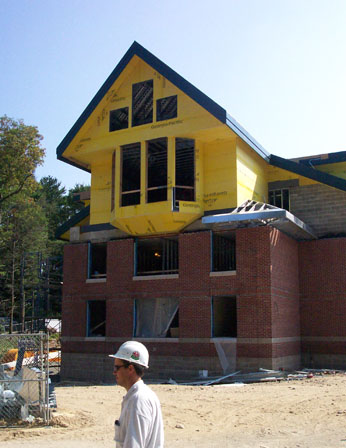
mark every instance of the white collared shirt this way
{"type": "Point", "coordinates": [140, 423]}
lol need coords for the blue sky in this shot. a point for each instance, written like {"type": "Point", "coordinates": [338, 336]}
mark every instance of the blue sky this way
{"type": "Point", "coordinates": [277, 66]}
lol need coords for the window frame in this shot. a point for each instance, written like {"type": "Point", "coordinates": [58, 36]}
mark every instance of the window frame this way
{"type": "Point", "coordinates": [111, 120]}
{"type": "Point", "coordinates": [90, 313]}
{"type": "Point", "coordinates": [282, 191]}
{"type": "Point", "coordinates": [91, 267]}
{"type": "Point", "coordinates": [152, 189]}
{"type": "Point", "coordinates": [159, 113]}
{"type": "Point", "coordinates": [149, 119]}
{"type": "Point", "coordinates": [170, 256]}
{"type": "Point", "coordinates": [233, 326]}
{"type": "Point", "coordinates": [228, 236]}
{"type": "Point", "coordinates": [137, 191]}
{"type": "Point", "coordinates": [178, 196]}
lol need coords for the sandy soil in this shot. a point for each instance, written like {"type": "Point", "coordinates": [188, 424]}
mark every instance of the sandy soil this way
{"type": "Point", "coordinates": [287, 414]}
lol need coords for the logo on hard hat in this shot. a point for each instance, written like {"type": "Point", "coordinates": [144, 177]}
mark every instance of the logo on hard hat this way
{"type": "Point", "coordinates": [135, 356]}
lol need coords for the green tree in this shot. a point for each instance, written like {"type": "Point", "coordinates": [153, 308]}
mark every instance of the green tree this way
{"type": "Point", "coordinates": [51, 196]}
{"type": "Point", "coordinates": [24, 227]}
{"type": "Point", "coordinates": [20, 153]}
{"type": "Point", "coordinates": [22, 223]}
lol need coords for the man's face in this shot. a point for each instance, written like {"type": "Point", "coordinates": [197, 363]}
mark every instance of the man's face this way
{"type": "Point", "coordinates": [120, 372]}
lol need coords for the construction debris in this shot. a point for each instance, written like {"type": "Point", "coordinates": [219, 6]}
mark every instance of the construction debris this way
{"type": "Point", "coordinates": [263, 375]}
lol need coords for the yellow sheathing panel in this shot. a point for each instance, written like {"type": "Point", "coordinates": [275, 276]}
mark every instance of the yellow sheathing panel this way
{"type": "Point", "coordinates": [94, 145]}
{"type": "Point", "coordinates": [336, 169]}
{"type": "Point", "coordinates": [155, 218]}
{"type": "Point", "coordinates": [277, 174]}
{"type": "Point", "coordinates": [251, 174]}
{"type": "Point", "coordinates": [94, 136]}
{"type": "Point", "coordinates": [100, 203]}
{"type": "Point", "coordinates": [220, 182]}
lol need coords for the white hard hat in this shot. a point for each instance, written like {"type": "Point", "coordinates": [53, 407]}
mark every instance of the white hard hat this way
{"type": "Point", "coordinates": [134, 352]}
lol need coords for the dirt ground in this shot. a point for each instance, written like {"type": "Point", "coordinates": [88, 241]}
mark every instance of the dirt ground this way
{"type": "Point", "coordinates": [287, 414]}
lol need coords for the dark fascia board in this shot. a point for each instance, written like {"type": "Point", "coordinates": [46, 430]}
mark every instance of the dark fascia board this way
{"type": "Point", "coordinates": [81, 167]}
{"type": "Point", "coordinates": [308, 172]}
{"type": "Point", "coordinates": [244, 135]}
{"type": "Point", "coordinates": [136, 49]}
{"type": "Point", "coordinates": [333, 157]}
{"type": "Point", "coordinates": [78, 217]}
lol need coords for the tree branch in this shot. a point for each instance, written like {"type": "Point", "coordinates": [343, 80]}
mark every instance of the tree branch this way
{"type": "Point", "coordinates": [2, 199]}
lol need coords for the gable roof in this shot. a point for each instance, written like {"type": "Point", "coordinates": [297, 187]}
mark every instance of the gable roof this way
{"type": "Point", "coordinates": [181, 83]}
{"type": "Point", "coordinates": [204, 101]}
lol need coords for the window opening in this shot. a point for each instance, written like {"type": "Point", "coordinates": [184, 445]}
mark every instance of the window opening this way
{"type": "Point", "coordinates": [142, 103]}
{"type": "Point", "coordinates": [96, 318]}
{"type": "Point", "coordinates": [223, 252]}
{"type": "Point", "coordinates": [166, 108]}
{"type": "Point", "coordinates": [113, 182]}
{"type": "Point", "coordinates": [157, 256]}
{"type": "Point", "coordinates": [155, 317]}
{"type": "Point", "coordinates": [184, 169]}
{"type": "Point", "coordinates": [97, 260]}
{"type": "Point", "coordinates": [280, 198]}
{"type": "Point", "coordinates": [118, 119]}
{"type": "Point", "coordinates": [157, 170]}
{"type": "Point", "coordinates": [130, 174]}
{"type": "Point", "coordinates": [224, 315]}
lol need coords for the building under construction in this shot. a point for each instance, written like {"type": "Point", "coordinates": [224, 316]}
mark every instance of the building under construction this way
{"type": "Point", "coordinates": [194, 239]}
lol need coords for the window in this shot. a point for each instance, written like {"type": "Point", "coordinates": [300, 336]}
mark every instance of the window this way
{"type": "Point", "coordinates": [184, 169]}
{"type": "Point", "coordinates": [113, 182]}
{"type": "Point", "coordinates": [223, 252]}
{"type": "Point", "coordinates": [142, 103]}
{"type": "Point", "coordinates": [156, 318]}
{"type": "Point", "coordinates": [96, 318]}
{"type": "Point", "coordinates": [97, 260]}
{"type": "Point", "coordinates": [130, 174]}
{"type": "Point", "coordinates": [118, 119]}
{"type": "Point", "coordinates": [224, 315]}
{"type": "Point", "coordinates": [280, 198]}
{"type": "Point", "coordinates": [166, 108]}
{"type": "Point", "coordinates": [156, 256]}
{"type": "Point", "coordinates": [157, 170]}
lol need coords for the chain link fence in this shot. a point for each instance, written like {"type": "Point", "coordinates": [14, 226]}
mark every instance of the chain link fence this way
{"type": "Point", "coordinates": [25, 391]}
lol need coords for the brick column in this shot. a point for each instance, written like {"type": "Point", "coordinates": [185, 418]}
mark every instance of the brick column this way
{"type": "Point", "coordinates": [194, 270]}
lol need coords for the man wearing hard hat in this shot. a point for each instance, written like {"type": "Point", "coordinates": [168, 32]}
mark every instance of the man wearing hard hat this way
{"type": "Point", "coordinates": [140, 422]}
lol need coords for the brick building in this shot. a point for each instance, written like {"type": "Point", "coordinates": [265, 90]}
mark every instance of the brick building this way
{"type": "Point", "coordinates": [195, 240]}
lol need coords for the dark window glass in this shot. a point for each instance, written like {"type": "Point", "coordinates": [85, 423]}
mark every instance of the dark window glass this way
{"type": "Point", "coordinates": [157, 170]}
{"type": "Point", "coordinates": [131, 174]}
{"type": "Point", "coordinates": [166, 108]}
{"type": "Point", "coordinates": [142, 103]}
{"type": "Point", "coordinates": [184, 169]}
{"type": "Point", "coordinates": [118, 119]}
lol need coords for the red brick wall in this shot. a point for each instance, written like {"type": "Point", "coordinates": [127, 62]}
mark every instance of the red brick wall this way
{"type": "Point", "coordinates": [266, 295]}
{"type": "Point", "coordinates": [285, 285]}
{"type": "Point", "coordinates": [75, 273]}
{"type": "Point", "coordinates": [194, 278]}
{"type": "Point", "coordinates": [323, 296]}
{"type": "Point", "coordinates": [254, 283]}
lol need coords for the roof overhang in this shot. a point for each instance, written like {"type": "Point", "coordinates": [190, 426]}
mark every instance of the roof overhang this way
{"type": "Point", "coordinates": [253, 214]}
